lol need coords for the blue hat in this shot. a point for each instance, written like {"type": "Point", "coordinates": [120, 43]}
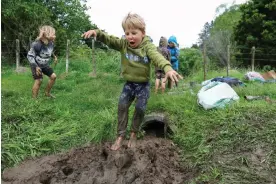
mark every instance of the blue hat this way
{"type": "Point", "coordinates": [173, 40]}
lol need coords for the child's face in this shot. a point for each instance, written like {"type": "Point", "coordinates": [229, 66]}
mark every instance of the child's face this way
{"type": "Point", "coordinates": [134, 36]}
{"type": "Point", "coordinates": [171, 44]}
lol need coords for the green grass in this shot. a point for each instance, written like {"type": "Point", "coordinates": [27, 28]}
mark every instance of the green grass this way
{"type": "Point", "coordinates": [219, 143]}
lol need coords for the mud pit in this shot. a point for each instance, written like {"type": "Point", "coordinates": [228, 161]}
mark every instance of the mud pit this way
{"type": "Point", "coordinates": [154, 160]}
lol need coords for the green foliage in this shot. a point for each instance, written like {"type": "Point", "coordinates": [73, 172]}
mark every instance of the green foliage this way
{"type": "Point", "coordinates": [257, 28]}
{"type": "Point", "coordinates": [218, 34]}
{"type": "Point", "coordinates": [21, 20]}
{"type": "Point", "coordinates": [80, 51]}
{"type": "Point", "coordinates": [218, 143]}
{"type": "Point", "coordinates": [221, 34]}
{"type": "Point", "coordinates": [228, 19]}
{"type": "Point", "coordinates": [190, 61]}
{"type": "Point", "coordinates": [205, 33]}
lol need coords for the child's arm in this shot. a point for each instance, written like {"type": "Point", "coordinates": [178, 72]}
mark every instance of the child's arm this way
{"type": "Point", "coordinates": [32, 54]}
{"type": "Point", "coordinates": [157, 58]}
{"type": "Point", "coordinates": [161, 62]}
{"type": "Point", "coordinates": [112, 41]}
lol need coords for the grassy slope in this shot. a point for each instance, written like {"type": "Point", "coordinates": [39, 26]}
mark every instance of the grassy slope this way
{"type": "Point", "coordinates": [231, 145]}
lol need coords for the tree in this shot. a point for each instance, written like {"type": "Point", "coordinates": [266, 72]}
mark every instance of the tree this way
{"type": "Point", "coordinates": [257, 27]}
{"type": "Point", "coordinates": [22, 18]}
{"type": "Point", "coordinates": [205, 33]}
{"type": "Point", "coordinates": [221, 33]}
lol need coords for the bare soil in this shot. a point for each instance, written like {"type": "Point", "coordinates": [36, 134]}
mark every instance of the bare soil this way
{"type": "Point", "coordinates": [154, 160]}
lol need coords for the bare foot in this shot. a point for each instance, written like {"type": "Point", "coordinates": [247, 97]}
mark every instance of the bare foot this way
{"type": "Point", "coordinates": [132, 140]}
{"type": "Point", "coordinates": [118, 143]}
{"type": "Point", "coordinates": [50, 95]}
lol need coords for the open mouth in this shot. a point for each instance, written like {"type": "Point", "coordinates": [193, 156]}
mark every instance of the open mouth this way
{"type": "Point", "coordinates": [131, 43]}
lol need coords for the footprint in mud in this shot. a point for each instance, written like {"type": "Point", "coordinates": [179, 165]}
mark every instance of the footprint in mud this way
{"type": "Point", "coordinates": [45, 179]}
{"type": "Point", "coordinates": [67, 170]}
{"type": "Point", "coordinates": [123, 161]}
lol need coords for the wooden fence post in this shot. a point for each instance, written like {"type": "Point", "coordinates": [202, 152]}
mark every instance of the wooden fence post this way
{"type": "Point", "coordinates": [67, 55]}
{"type": "Point", "coordinates": [228, 60]}
{"type": "Point", "coordinates": [17, 54]}
{"type": "Point", "coordinates": [204, 61]}
{"type": "Point", "coordinates": [253, 59]}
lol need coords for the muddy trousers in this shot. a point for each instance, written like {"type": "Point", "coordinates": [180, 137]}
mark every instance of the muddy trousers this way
{"type": "Point", "coordinates": [132, 90]}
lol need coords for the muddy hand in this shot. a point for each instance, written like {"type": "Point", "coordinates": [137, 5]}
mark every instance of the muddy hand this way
{"type": "Point", "coordinates": [173, 75]}
{"type": "Point", "coordinates": [89, 33]}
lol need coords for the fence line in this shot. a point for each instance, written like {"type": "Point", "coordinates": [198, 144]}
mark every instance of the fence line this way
{"type": "Point", "coordinates": [19, 53]}
{"type": "Point", "coordinates": [255, 56]}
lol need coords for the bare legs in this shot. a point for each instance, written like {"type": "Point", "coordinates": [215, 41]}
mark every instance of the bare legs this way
{"type": "Point", "coordinates": [123, 121]}
{"type": "Point", "coordinates": [157, 81]}
{"type": "Point", "coordinates": [140, 91]}
{"type": "Point", "coordinates": [163, 85]}
{"type": "Point", "coordinates": [36, 87]}
{"type": "Point", "coordinates": [50, 84]}
{"type": "Point", "coordinates": [119, 142]}
{"type": "Point", "coordinates": [132, 140]}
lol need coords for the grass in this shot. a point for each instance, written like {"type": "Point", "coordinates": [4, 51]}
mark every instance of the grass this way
{"type": "Point", "coordinates": [230, 145]}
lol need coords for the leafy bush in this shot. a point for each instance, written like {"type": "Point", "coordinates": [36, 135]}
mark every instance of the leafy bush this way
{"type": "Point", "coordinates": [190, 60]}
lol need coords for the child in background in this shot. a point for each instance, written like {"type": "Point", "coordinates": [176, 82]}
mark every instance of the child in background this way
{"type": "Point", "coordinates": [39, 56]}
{"type": "Point", "coordinates": [137, 53]}
{"type": "Point", "coordinates": [174, 51]}
{"type": "Point", "coordinates": [159, 73]}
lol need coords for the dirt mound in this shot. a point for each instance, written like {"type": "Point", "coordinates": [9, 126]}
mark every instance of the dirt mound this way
{"type": "Point", "coordinates": [154, 160]}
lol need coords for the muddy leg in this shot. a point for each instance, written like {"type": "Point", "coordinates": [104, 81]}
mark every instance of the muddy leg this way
{"type": "Point", "coordinates": [118, 143]}
{"type": "Point", "coordinates": [51, 82]}
{"type": "Point", "coordinates": [163, 85]}
{"type": "Point", "coordinates": [132, 140]}
{"type": "Point", "coordinates": [157, 81]}
{"type": "Point", "coordinates": [122, 122]}
{"type": "Point", "coordinates": [136, 122]}
{"type": "Point", "coordinates": [36, 87]}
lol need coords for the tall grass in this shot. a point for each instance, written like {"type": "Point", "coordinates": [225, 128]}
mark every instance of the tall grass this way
{"type": "Point", "coordinates": [220, 143]}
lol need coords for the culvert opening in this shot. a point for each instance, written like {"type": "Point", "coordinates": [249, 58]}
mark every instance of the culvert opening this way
{"type": "Point", "coordinates": [154, 128]}
{"type": "Point", "coordinates": [156, 125]}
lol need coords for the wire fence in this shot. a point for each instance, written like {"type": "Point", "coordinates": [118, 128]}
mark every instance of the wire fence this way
{"type": "Point", "coordinates": [231, 57]}
{"type": "Point", "coordinates": [69, 49]}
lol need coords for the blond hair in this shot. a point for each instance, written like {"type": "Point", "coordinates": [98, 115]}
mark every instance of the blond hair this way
{"type": "Point", "coordinates": [133, 20]}
{"type": "Point", "coordinates": [46, 32]}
